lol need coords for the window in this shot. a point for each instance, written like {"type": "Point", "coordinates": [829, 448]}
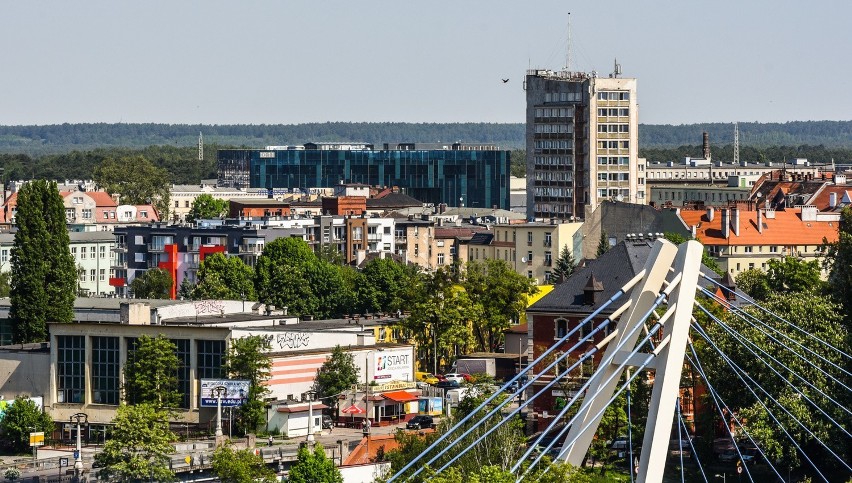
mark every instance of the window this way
{"type": "Point", "coordinates": [143, 214]}
{"type": "Point", "coordinates": [102, 275]}
{"type": "Point", "coordinates": [184, 363]}
{"type": "Point", "coordinates": [102, 251]}
{"type": "Point", "coordinates": [177, 204]}
{"type": "Point", "coordinates": [4, 255]}
{"type": "Point", "coordinates": [773, 249]}
{"type": "Point", "coordinates": [210, 358]}
{"type": "Point", "coordinates": [548, 260]}
{"type": "Point", "coordinates": [748, 249]}
{"type": "Point", "coordinates": [186, 204]}
{"type": "Point", "coordinates": [440, 259]}
{"type": "Point", "coordinates": [529, 258]}
{"type": "Point", "coordinates": [105, 370]}
{"type": "Point", "coordinates": [87, 213]}
{"type": "Point", "coordinates": [82, 253]}
{"type": "Point", "coordinates": [92, 274]}
{"type": "Point", "coordinates": [560, 328]}
{"type": "Point", "coordinates": [70, 368]}
{"type": "Point", "coordinates": [529, 238]}
{"type": "Point", "coordinates": [82, 276]}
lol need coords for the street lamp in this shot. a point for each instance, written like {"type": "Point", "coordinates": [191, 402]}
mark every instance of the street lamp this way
{"type": "Point", "coordinates": [79, 418]}
{"type": "Point", "coordinates": [310, 394]}
{"type": "Point", "coordinates": [218, 391]}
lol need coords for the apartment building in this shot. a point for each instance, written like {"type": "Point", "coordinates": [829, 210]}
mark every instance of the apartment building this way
{"type": "Point", "coordinates": [582, 142]}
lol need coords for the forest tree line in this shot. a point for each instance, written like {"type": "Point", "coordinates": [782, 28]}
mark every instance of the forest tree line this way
{"type": "Point", "coordinates": [64, 138]}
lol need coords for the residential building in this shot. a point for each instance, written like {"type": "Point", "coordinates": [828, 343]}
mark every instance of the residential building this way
{"type": "Point", "coordinates": [692, 170]}
{"type": "Point", "coordinates": [457, 174]}
{"type": "Point", "coordinates": [582, 142]}
{"type": "Point", "coordinates": [740, 238]}
{"type": "Point", "coordinates": [182, 196]}
{"type": "Point", "coordinates": [533, 248]}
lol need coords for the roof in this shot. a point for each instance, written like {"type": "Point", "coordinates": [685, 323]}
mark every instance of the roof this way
{"type": "Point", "coordinates": [366, 452]}
{"type": "Point", "coordinates": [823, 197]}
{"type": "Point", "coordinates": [300, 407]}
{"type": "Point", "coordinates": [399, 396]}
{"type": "Point", "coordinates": [101, 198]}
{"type": "Point", "coordinates": [786, 228]}
{"type": "Point", "coordinates": [393, 200]}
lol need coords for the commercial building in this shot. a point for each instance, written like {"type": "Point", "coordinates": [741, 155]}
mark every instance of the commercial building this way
{"type": "Point", "coordinates": [456, 174]}
{"type": "Point", "coordinates": [582, 142]}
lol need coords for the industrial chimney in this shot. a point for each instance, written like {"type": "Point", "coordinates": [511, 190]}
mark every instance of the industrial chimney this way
{"type": "Point", "coordinates": [706, 145]}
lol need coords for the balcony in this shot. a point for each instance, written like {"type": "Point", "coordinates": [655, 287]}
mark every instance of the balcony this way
{"type": "Point", "coordinates": [157, 247]}
{"type": "Point", "coordinates": [548, 243]}
{"type": "Point", "coordinates": [256, 248]}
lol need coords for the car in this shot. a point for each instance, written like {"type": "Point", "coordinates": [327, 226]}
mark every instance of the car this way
{"type": "Point", "coordinates": [447, 384]}
{"type": "Point", "coordinates": [420, 422]}
{"type": "Point", "coordinates": [426, 377]}
{"type": "Point", "coordinates": [327, 421]}
{"type": "Point", "coordinates": [455, 376]}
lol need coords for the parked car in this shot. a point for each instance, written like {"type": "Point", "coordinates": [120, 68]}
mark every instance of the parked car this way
{"type": "Point", "coordinates": [420, 422]}
{"type": "Point", "coordinates": [426, 377]}
{"type": "Point", "coordinates": [447, 383]}
{"type": "Point", "coordinates": [327, 421]}
{"type": "Point", "coordinates": [455, 376]}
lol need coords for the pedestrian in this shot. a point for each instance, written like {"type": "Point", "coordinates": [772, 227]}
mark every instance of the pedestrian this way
{"type": "Point", "coordinates": [270, 440]}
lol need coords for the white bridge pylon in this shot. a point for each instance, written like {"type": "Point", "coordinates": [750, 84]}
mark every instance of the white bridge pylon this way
{"type": "Point", "coordinates": [674, 271]}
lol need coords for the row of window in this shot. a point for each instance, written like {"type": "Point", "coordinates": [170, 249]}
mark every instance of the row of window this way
{"type": "Point", "coordinates": [71, 363]}
{"type": "Point", "coordinates": [613, 144]}
{"type": "Point", "coordinates": [545, 144]}
{"type": "Point", "coordinates": [554, 160]}
{"type": "Point", "coordinates": [613, 160]}
{"type": "Point", "coordinates": [547, 209]}
{"type": "Point", "coordinates": [613, 176]}
{"type": "Point", "coordinates": [613, 112]}
{"type": "Point", "coordinates": [681, 195]}
{"type": "Point", "coordinates": [85, 251]}
{"type": "Point", "coordinates": [554, 112]}
{"type": "Point", "coordinates": [101, 274]}
{"type": "Point", "coordinates": [614, 193]}
{"type": "Point", "coordinates": [554, 191]}
{"type": "Point", "coordinates": [553, 128]}
{"type": "Point", "coordinates": [613, 96]}
{"type": "Point", "coordinates": [554, 175]}
{"type": "Point", "coordinates": [563, 96]}
{"type": "Point", "coordinates": [613, 128]}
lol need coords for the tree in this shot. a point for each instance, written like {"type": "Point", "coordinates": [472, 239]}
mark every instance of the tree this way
{"type": "Point", "coordinates": [43, 275]}
{"type": "Point", "coordinates": [206, 206]}
{"type": "Point", "coordinates": [137, 180]}
{"type": "Point", "coordinates": [838, 262]}
{"type": "Point", "coordinates": [5, 284]}
{"type": "Point", "coordinates": [138, 446]}
{"type": "Point", "coordinates": [155, 283]}
{"type": "Point", "coordinates": [248, 358]}
{"type": "Point", "coordinates": [385, 282]}
{"type": "Point", "coordinates": [241, 466]}
{"type": "Point", "coordinates": [753, 282]}
{"type": "Point", "coordinates": [224, 278]}
{"type": "Point", "coordinates": [150, 374]}
{"type": "Point", "coordinates": [603, 245]}
{"type": "Point", "coordinates": [565, 265]}
{"type": "Point", "coordinates": [791, 274]}
{"type": "Point", "coordinates": [337, 374]}
{"type": "Point", "coordinates": [21, 417]}
{"type": "Point", "coordinates": [314, 467]}
{"type": "Point", "coordinates": [499, 294]}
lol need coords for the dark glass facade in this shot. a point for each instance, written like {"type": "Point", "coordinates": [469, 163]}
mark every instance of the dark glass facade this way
{"type": "Point", "coordinates": [105, 370]}
{"type": "Point", "coordinates": [474, 178]}
{"type": "Point", "coordinates": [71, 368]}
{"type": "Point", "coordinates": [210, 355]}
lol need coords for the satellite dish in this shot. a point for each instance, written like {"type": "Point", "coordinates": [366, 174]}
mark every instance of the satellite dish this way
{"type": "Point", "coordinates": [619, 198]}
{"type": "Point", "coordinates": [523, 259]}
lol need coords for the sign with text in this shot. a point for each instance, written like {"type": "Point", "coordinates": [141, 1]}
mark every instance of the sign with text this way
{"type": "Point", "coordinates": [37, 439]}
{"type": "Point", "coordinates": [393, 365]}
{"type": "Point", "coordinates": [235, 392]}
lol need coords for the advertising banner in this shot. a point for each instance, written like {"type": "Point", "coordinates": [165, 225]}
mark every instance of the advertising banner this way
{"type": "Point", "coordinates": [393, 365]}
{"type": "Point", "coordinates": [235, 392]}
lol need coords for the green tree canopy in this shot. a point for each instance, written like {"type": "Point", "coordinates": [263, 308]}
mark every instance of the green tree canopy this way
{"type": "Point", "coordinates": [753, 282]}
{"type": "Point", "coordinates": [565, 266]}
{"type": "Point", "coordinates": [838, 262]}
{"type": "Point", "coordinates": [337, 374]}
{"type": "Point", "coordinates": [43, 277]}
{"type": "Point", "coordinates": [603, 244]}
{"type": "Point", "coordinates": [206, 206]}
{"type": "Point", "coordinates": [248, 358]}
{"type": "Point", "coordinates": [385, 284]}
{"type": "Point", "coordinates": [791, 274]}
{"type": "Point", "coordinates": [241, 466]}
{"type": "Point", "coordinates": [138, 446]}
{"type": "Point", "coordinates": [21, 417]}
{"type": "Point", "coordinates": [313, 466]}
{"type": "Point", "coordinates": [225, 278]}
{"type": "Point", "coordinates": [137, 180]}
{"type": "Point", "coordinates": [155, 283]}
{"type": "Point", "coordinates": [150, 374]}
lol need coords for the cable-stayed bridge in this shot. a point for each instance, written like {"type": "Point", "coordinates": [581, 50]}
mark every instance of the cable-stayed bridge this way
{"type": "Point", "coordinates": [658, 314]}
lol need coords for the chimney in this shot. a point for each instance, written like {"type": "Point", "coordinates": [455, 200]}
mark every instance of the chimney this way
{"type": "Point", "coordinates": [694, 230]}
{"type": "Point", "coordinates": [759, 221]}
{"type": "Point", "coordinates": [710, 213]}
{"type": "Point", "coordinates": [832, 200]}
{"type": "Point", "coordinates": [726, 224]}
{"type": "Point", "coordinates": [592, 291]}
{"type": "Point", "coordinates": [735, 221]}
{"type": "Point", "coordinates": [706, 145]}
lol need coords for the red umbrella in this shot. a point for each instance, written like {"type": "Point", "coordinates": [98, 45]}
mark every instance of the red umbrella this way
{"type": "Point", "coordinates": [353, 409]}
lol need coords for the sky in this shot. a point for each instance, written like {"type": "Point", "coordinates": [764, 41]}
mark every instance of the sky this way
{"type": "Point", "coordinates": [293, 61]}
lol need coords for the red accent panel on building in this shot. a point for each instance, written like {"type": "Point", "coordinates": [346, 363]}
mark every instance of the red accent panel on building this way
{"type": "Point", "coordinates": [209, 250]}
{"type": "Point", "coordinates": [171, 266]}
{"type": "Point", "coordinates": [117, 281]}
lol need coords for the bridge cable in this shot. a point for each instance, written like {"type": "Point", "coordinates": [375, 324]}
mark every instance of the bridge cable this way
{"type": "Point", "coordinates": [679, 439]}
{"type": "Point", "coordinates": [739, 373]}
{"type": "Point", "coordinates": [629, 433]}
{"type": "Point", "coordinates": [692, 448]}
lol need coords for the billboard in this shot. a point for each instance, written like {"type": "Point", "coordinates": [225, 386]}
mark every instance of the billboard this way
{"type": "Point", "coordinates": [393, 365]}
{"type": "Point", "coordinates": [235, 392]}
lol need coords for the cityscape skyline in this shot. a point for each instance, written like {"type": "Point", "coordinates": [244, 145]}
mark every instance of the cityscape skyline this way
{"type": "Point", "coordinates": [223, 63]}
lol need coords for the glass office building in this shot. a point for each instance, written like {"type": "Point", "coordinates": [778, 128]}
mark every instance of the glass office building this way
{"type": "Point", "coordinates": [469, 177]}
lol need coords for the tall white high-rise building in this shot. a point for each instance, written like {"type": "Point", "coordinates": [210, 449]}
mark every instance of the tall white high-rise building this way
{"type": "Point", "coordinates": [582, 143]}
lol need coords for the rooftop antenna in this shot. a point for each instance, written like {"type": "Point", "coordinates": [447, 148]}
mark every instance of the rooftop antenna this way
{"type": "Point", "coordinates": [200, 147]}
{"type": "Point", "coordinates": [616, 70]}
{"type": "Point", "coordinates": [568, 49]}
{"type": "Point", "coordinates": [736, 143]}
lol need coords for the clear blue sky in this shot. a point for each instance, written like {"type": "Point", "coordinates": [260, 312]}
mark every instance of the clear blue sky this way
{"type": "Point", "coordinates": [282, 61]}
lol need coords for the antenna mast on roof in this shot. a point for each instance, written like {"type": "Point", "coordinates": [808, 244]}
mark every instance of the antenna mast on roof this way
{"type": "Point", "coordinates": [200, 147]}
{"type": "Point", "coordinates": [736, 144]}
{"type": "Point", "coordinates": [568, 49]}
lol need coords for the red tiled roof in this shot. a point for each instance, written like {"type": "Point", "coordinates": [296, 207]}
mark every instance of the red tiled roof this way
{"type": "Point", "coordinates": [366, 453]}
{"type": "Point", "coordinates": [823, 197]}
{"type": "Point", "coordinates": [102, 198]}
{"type": "Point", "coordinates": [787, 228]}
